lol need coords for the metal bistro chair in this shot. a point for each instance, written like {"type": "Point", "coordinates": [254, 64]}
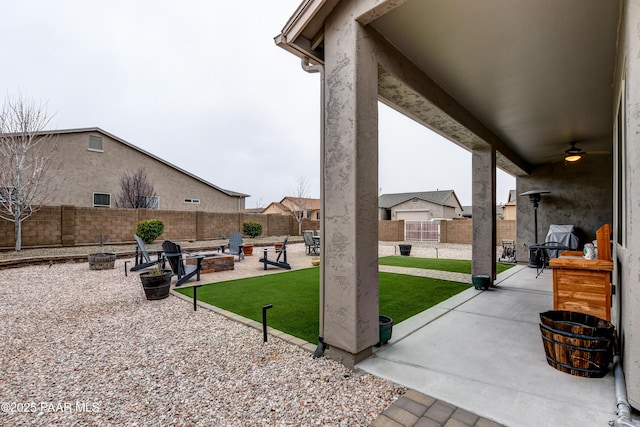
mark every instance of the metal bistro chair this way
{"type": "Point", "coordinates": [311, 244]}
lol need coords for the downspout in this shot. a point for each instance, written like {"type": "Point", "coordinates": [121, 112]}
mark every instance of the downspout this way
{"type": "Point", "coordinates": [622, 405]}
{"type": "Point", "coordinates": [318, 68]}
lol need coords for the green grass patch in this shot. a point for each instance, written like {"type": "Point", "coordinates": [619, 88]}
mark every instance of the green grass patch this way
{"type": "Point", "coordinates": [295, 298]}
{"type": "Point", "coordinates": [453, 265]}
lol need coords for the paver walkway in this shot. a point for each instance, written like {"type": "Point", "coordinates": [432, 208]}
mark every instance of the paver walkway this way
{"type": "Point", "coordinates": [434, 274]}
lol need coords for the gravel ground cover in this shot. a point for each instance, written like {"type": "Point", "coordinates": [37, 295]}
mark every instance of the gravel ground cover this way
{"type": "Point", "coordinates": [84, 347]}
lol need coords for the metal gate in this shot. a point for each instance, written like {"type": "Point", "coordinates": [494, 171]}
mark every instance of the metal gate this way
{"type": "Point", "coordinates": [422, 231]}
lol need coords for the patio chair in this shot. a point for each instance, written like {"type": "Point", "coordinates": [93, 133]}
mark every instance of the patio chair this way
{"type": "Point", "coordinates": [143, 257]}
{"type": "Point", "coordinates": [235, 245]}
{"type": "Point", "coordinates": [310, 243]}
{"type": "Point", "coordinates": [173, 254]}
{"type": "Point", "coordinates": [282, 253]}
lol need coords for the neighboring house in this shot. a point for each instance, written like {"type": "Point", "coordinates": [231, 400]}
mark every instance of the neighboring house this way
{"type": "Point", "coordinates": [90, 163]}
{"type": "Point", "coordinates": [509, 209]}
{"type": "Point", "coordinates": [288, 205]}
{"type": "Point", "coordinates": [254, 210]}
{"type": "Point", "coordinates": [420, 206]}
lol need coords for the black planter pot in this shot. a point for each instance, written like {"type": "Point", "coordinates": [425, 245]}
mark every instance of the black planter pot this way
{"type": "Point", "coordinates": [386, 328]}
{"type": "Point", "coordinates": [405, 250]}
{"type": "Point", "coordinates": [156, 286]}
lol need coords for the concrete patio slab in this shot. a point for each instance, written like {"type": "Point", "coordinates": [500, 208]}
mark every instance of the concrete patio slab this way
{"type": "Point", "coordinates": [482, 351]}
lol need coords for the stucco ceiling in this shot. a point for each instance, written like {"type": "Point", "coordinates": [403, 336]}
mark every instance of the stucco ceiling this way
{"type": "Point", "coordinates": [537, 73]}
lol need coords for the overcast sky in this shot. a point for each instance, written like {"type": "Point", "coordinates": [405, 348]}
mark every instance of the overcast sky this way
{"type": "Point", "coordinates": [202, 85]}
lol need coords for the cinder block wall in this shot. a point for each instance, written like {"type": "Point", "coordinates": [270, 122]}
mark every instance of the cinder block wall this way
{"type": "Point", "coordinates": [70, 226]}
{"type": "Point", "coordinates": [391, 231]}
{"type": "Point", "coordinates": [461, 231]}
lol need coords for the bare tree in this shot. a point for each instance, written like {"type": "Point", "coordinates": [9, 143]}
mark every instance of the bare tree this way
{"type": "Point", "coordinates": [260, 203]}
{"type": "Point", "coordinates": [26, 154]}
{"type": "Point", "coordinates": [299, 201]}
{"type": "Point", "coordinates": [136, 191]}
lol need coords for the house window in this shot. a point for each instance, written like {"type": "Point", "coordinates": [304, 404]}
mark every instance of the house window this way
{"type": "Point", "coordinates": [149, 202]}
{"type": "Point", "coordinates": [194, 201]}
{"type": "Point", "coordinates": [95, 143]}
{"type": "Point", "coordinates": [101, 200]}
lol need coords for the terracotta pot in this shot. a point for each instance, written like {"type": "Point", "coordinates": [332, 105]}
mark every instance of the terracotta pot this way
{"type": "Point", "coordinates": [248, 250]}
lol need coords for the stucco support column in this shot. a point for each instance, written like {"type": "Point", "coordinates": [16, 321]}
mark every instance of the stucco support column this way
{"type": "Point", "coordinates": [483, 163]}
{"type": "Point", "coordinates": [628, 254]}
{"type": "Point", "coordinates": [350, 175]}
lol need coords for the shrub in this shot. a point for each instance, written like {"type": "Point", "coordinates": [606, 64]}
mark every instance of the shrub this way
{"type": "Point", "coordinates": [149, 229]}
{"type": "Point", "coordinates": [252, 229]}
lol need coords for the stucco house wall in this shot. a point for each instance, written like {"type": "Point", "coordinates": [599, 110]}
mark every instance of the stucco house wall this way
{"type": "Point", "coordinates": [81, 171]}
{"type": "Point", "coordinates": [421, 210]}
{"type": "Point", "coordinates": [419, 206]}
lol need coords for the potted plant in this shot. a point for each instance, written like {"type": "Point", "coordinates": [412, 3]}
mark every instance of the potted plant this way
{"type": "Point", "coordinates": [156, 283]}
{"type": "Point", "coordinates": [102, 260]}
{"type": "Point", "coordinates": [247, 249]}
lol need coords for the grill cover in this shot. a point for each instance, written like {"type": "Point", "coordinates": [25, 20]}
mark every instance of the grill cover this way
{"type": "Point", "coordinates": [562, 234]}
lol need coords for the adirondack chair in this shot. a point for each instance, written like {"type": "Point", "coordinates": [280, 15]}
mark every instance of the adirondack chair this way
{"type": "Point", "coordinates": [173, 254]}
{"type": "Point", "coordinates": [282, 253]}
{"type": "Point", "coordinates": [310, 243]}
{"type": "Point", "coordinates": [235, 246]}
{"type": "Point", "coordinates": [143, 257]}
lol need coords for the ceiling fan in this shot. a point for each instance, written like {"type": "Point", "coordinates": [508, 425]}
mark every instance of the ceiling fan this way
{"type": "Point", "coordinates": [574, 153]}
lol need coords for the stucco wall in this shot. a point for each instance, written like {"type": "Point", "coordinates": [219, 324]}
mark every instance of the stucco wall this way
{"type": "Point", "coordinates": [627, 223]}
{"type": "Point", "coordinates": [421, 210]}
{"type": "Point", "coordinates": [580, 194]}
{"type": "Point", "coordinates": [79, 172]}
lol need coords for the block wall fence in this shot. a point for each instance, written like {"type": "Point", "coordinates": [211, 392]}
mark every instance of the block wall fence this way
{"type": "Point", "coordinates": [55, 226]}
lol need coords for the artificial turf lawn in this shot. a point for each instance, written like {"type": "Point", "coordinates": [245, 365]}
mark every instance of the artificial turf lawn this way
{"type": "Point", "coordinates": [295, 298]}
{"type": "Point", "coordinates": [454, 265]}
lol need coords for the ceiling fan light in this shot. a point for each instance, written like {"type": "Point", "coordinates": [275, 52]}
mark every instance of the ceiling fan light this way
{"type": "Point", "coordinates": [572, 157]}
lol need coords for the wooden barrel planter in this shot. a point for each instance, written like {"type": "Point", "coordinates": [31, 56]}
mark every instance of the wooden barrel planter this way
{"type": "Point", "coordinates": [102, 261]}
{"type": "Point", "coordinates": [156, 286]}
{"type": "Point", "coordinates": [577, 343]}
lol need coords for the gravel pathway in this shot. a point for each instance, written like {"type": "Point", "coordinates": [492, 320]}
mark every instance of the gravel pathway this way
{"type": "Point", "coordinates": [83, 347]}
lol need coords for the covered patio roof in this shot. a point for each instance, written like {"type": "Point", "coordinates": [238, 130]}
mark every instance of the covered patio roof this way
{"type": "Point", "coordinates": [531, 81]}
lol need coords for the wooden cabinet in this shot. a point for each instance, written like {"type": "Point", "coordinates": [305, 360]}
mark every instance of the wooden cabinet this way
{"type": "Point", "coordinates": [582, 285]}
